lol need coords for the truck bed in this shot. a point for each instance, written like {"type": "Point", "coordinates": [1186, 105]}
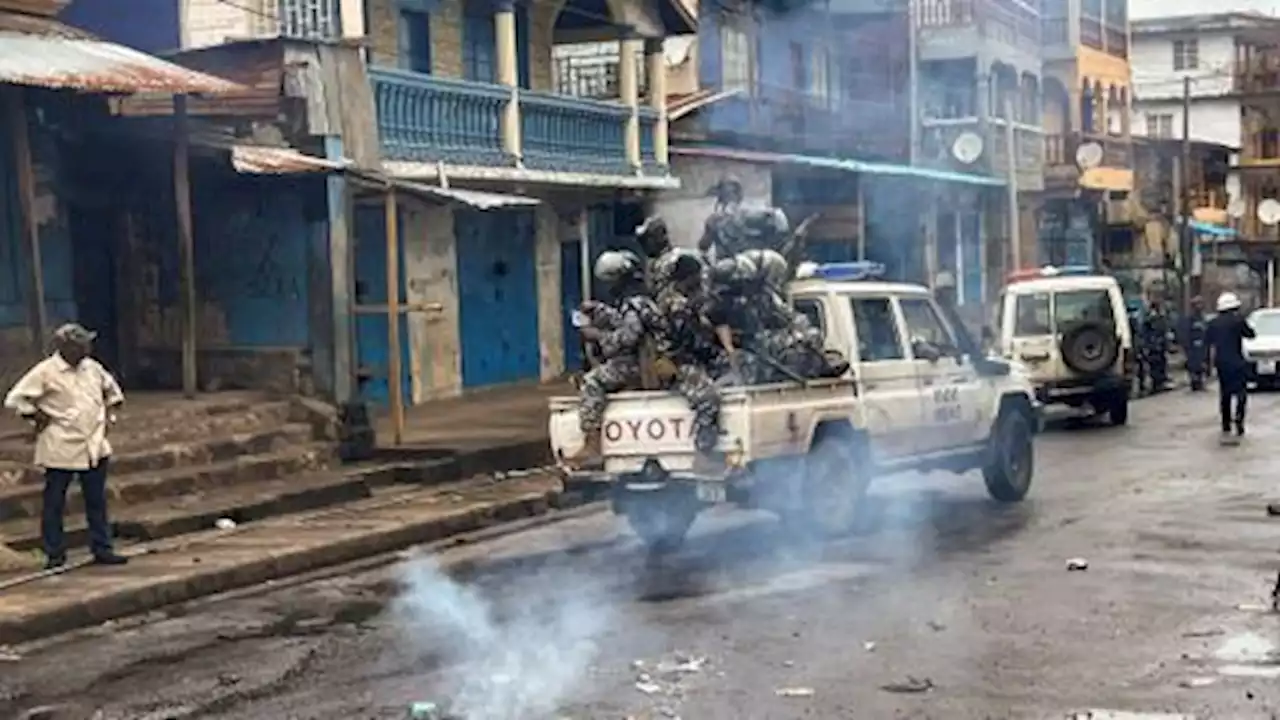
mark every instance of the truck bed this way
{"type": "Point", "coordinates": [756, 422]}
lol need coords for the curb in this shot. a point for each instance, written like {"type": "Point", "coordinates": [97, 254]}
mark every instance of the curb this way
{"type": "Point", "coordinates": [133, 601]}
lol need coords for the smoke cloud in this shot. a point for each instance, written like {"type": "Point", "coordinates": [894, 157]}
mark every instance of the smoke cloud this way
{"type": "Point", "coordinates": [519, 655]}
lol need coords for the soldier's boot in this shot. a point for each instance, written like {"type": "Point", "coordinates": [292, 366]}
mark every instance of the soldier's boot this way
{"type": "Point", "coordinates": [591, 453]}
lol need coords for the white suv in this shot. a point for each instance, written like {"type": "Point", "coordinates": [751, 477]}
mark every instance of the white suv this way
{"type": "Point", "coordinates": [1070, 328]}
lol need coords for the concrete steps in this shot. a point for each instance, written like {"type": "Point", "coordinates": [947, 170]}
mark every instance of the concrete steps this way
{"type": "Point", "coordinates": [200, 510]}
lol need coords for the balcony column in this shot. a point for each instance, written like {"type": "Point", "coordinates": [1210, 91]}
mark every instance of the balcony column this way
{"type": "Point", "coordinates": [629, 94]}
{"type": "Point", "coordinates": [657, 71]}
{"type": "Point", "coordinates": [504, 23]}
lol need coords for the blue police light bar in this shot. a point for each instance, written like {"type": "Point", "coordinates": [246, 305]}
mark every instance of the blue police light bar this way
{"type": "Point", "coordinates": [841, 271]}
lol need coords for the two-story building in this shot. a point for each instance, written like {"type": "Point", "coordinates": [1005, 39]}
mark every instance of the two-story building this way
{"type": "Point", "coordinates": [506, 183]}
{"type": "Point", "coordinates": [1087, 95]}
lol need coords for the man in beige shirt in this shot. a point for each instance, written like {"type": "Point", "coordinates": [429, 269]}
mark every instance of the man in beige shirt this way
{"type": "Point", "coordinates": [69, 399]}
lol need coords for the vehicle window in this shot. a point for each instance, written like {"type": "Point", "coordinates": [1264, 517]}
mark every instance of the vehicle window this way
{"type": "Point", "coordinates": [1081, 305]}
{"type": "Point", "coordinates": [1266, 323]}
{"type": "Point", "coordinates": [878, 337]}
{"type": "Point", "coordinates": [1031, 315]}
{"type": "Point", "coordinates": [924, 323]}
{"type": "Point", "coordinates": [812, 310]}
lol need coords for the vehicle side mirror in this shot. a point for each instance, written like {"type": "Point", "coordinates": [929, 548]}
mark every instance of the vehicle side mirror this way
{"type": "Point", "coordinates": [925, 350]}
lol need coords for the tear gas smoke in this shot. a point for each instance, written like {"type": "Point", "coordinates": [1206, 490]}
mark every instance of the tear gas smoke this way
{"type": "Point", "coordinates": [515, 660]}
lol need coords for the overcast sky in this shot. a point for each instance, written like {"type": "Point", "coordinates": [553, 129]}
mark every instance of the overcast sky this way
{"type": "Point", "coordinates": [1154, 8]}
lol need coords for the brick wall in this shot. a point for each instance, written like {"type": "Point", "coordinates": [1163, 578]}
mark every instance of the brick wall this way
{"type": "Point", "coordinates": [446, 38]}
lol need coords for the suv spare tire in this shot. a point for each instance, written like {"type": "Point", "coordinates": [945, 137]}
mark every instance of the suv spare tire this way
{"type": "Point", "coordinates": [1090, 347]}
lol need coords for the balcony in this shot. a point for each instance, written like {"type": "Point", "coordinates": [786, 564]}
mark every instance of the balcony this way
{"type": "Point", "coordinates": [425, 118]}
{"type": "Point", "coordinates": [1062, 171]}
{"type": "Point", "coordinates": [952, 29]}
{"type": "Point", "coordinates": [1257, 74]}
{"type": "Point", "coordinates": [940, 136]}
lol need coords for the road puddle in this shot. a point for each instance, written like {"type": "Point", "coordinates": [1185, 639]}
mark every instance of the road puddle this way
{"type": "Point", "coordinates": [1248, 655]}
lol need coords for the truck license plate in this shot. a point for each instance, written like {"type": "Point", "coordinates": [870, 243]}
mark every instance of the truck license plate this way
{"type": "Point", "coordinates": [1266, 367]}
{"type": "Point", "coordinates": [710, 493]}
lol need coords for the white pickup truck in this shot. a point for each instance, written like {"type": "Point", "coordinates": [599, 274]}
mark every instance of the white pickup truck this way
{"type": "Point", "coordinates": [918, 396]}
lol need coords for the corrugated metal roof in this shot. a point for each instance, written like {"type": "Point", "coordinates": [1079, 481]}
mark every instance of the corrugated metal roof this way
{"type": "Point", "coordinates": [854, 166]}
{"type": "Point", "coordinates": [258, 160]}
{"type": "Point", "coordinates": [77, 63]}
{"type": "Point", "coordinates": [477, 199]}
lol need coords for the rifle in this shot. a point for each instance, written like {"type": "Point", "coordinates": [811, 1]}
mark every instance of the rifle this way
{"type": "Point", "coordinates": [795, 241]}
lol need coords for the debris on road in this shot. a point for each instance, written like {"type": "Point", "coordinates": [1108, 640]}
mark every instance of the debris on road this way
{"type": "Point", "coordinates": [1273, 509]}
{"type": "Point", "coordinates": [9, 655]}
{"type": "Point", "coordinates": [869, 646]}
{"type": "Point", "coordinates": [936, 626]}
{"type": "Point", "coordinates": [910, 685]}
{"type": "Point", "coordinates": [795, 692]}
{"type": "Point", "coordinates": [1214, 632]}
{"type": "Point", "coordinates": [1197, 682]}
{"type": "Point", "coordinates": [1275, 595]}
{"type": "Point", "coordinates": [225, 524]}
{"type": "Point", "coordinates": [1077, 564]}
{"type": "Point", "coordinates": [648, 687]}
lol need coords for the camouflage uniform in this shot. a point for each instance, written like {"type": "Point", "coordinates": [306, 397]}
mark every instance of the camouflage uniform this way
{"type": "Point", "coordinates": [691, 345]}
{"type": "Point", "coordinates": [625, 327]}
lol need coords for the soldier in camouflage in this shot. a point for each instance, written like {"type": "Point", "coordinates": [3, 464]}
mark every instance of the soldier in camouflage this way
{"type": "Point", "coordinates": [723, 235]}
{"type": "Point", "coordinates": [692, 347]}
{"type": "Point", "coordinates": [619, 330]}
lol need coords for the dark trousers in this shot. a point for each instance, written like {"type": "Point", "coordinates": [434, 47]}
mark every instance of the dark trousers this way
{"type": "Point", "coordinates": [93, 487]}
{"type": "Point", "coordinates": [1233, 397]}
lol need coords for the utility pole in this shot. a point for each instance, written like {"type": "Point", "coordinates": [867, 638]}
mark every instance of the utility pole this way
{"type": "Point", "coordinates": [1011, 150]}
{"type": "Point", "coordinates": [913, 83]}
{"type": "Point", "coordinates": [1184, 198]}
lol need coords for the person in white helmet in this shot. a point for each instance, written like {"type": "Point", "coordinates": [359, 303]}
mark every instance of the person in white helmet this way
{"type": "Point", "coordinates": [1226, 335]}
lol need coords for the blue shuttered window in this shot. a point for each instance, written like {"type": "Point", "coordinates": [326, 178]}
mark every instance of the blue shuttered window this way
{"type": "Point", "coordinates": [479, 44]}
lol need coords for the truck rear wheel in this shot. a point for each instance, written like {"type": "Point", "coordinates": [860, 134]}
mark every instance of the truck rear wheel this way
{"type": "Point", "coordinates": [661, 521]}
{"type": "Point", "coordinates": [832, 487]}
{"type": "Point", "coordinates": [1010, 456]}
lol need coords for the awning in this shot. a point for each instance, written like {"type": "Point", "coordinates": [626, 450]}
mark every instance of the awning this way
{"type": "Point", "coordinates": [262, 160]}
{"type": "Point", "coordinates": [91, 65]}
{"type": "Point", "coordinates": [259, 160]}
{"type": "Point", "coordinates": [854, 166]}
{"type": "Point", "coordinates": [1214, 230]}
{"type": "Point", "coordinates": [478, 199]}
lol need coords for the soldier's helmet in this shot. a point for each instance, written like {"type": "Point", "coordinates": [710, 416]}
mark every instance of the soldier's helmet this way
{"type": "Point", "coordinates": [729, 188]}
{"type": "Point", "coordinates": [653, 235]}
{"type": "Point", "coordinates": [770, 265]}
{"type": "Point", "coordinates": [617, 265]}
{"type": "Point", "coordinates": [685, 265]}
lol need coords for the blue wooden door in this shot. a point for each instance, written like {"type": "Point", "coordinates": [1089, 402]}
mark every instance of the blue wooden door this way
{"type": "Point", "coordinates": [498, 297]}
{"type": "Point", "coordinates": [571, 297]}
{"type": "Point", "coordinates": [372, 347]}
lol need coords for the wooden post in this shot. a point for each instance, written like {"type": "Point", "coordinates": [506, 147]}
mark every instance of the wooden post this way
{"type": "Point", "coordinates": [37, 315]}
{"type": "Point", "coordinates": [395, 389]}
{"type": "Point", "coordinates": [186, 242]}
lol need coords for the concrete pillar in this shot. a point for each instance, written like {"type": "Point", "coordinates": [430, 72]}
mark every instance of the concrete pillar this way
{"type": "Point", "coordinates": [629, 94]}
{"type": "Point", "coordinates": [657, 70]}
{"type": "Point", "coordinates": [504, 23]}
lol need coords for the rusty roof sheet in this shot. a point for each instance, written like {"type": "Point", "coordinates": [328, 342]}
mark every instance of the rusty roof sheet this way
{"type": "Point", "coordinates": [261, 160]}
{"type": "Point", "coordinates": [63, 61]}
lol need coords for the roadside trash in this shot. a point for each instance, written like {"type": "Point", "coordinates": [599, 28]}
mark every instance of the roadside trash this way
{"type": "Point", "coordinates": [1077, 564]}
{"type": "Point", "coordinates": [1215, 632]}
{"type": "Point", "coordinates": [1273, 509]}
{"type": "Point", "coordinates": [648, 688]}
{"type": "Point", "coordinates": [794, 692]}
{"type": "Point", "coordinates": [1198, 682]}
{"type": "Point", "coordinates": [225, 524]}
{"type": "Point", "coordinates": [936, 626]}
{"type": "Point", "coordinates": [1275, 595]}
{"type": "Point", "coordinates": [7, 655]}
{"type": "Point", "coordinates": [869, 646]}
{"type": "Point", "coordinates": [910, 685]}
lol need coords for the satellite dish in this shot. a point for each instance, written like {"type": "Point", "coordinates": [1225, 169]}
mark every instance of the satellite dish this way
{"type": "Point", "coordinates": [1269, 211]}
{"type": "Point", "coordinates": [1237, 208]}
{"type": "Point", "coordinates": [967, 147]}
{"type": "Point", "coordinates": [1089, 155]}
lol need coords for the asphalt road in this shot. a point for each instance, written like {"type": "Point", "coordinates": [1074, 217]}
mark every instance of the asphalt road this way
{"type": "Point", "coordinates": [947, 606]}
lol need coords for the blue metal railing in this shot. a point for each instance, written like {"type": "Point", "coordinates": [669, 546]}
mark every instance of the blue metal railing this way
{"type": "Point", "coordinates": [648, 153]}
{"type": "Point", "coordinates": [573, 135]}
{"type": "Point", "coordinates": [423, 117]}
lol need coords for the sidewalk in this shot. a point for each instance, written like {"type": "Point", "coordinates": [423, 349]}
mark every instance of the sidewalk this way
{"type": "Point", "coordinates": [438, 483]}
{"type": "Point", "coordinates": [191, 566]}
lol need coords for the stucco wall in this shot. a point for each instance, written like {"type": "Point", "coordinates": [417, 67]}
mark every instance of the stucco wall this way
{"type": "Point", "coordinates": [550, 317]}
{"type": "Point", "coordinates": [431, 267]}
{"type": "Point", "coordinates": [686, 209]}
